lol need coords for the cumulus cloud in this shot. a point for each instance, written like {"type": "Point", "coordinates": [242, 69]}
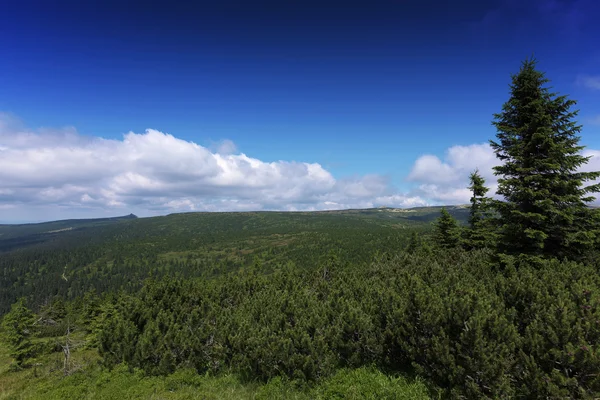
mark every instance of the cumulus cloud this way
{"type": "Point", "coordinates": [224, 147]}
{"type": "Point", "coordinates": [446, 181]}
{"type": "Point", "coordinates": [459, 162]}
{"type": "Point", "coordinates": [156, 173]}
{"type": "Point", "coordinates": [594, 162]}
{"type": "Point", "coordinates": [58, 173]}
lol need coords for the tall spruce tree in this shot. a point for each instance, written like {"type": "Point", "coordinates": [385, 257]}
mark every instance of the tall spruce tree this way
{"type": "Point", "coordinates": [481, 232]}
{"type": "Point", "coordinates": [545, 212]}
{"type": "Point", "coordinates": [447, 232]}
{"type": "Point", "coordinates": [413, 243]}
{"type": "Point", "coordinates": [18, 325]}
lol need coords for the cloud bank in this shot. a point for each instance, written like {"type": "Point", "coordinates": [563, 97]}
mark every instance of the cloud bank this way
{"type": "Point", "coordinates": [154, 173]}
{"type": "Point", "coordinates": [58, 173]}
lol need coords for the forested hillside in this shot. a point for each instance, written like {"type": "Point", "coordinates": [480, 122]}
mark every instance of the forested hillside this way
{"type": "Point", "coordinates": [69, 258]}
{"type": "Point", "coordinates": [500, 299]}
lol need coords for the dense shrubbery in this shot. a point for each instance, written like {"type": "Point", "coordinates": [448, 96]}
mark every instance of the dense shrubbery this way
{"type": "Point", "coordinates": [531, 331]}
{"type": "Point", "coordinates": [470, 326]}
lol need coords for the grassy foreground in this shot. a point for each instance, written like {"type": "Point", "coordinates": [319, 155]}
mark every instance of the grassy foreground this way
{"type": "Point", "coordinates": [47, 381]}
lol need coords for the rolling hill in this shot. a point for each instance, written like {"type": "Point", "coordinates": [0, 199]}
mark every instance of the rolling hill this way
{"type": "Point", "coordinates": [70, 257]}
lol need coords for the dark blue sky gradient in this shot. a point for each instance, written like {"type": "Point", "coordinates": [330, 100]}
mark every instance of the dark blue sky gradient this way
{"type": "Point", "coordinates": [362, 87]}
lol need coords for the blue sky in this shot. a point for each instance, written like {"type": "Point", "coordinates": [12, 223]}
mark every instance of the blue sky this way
{"type": "Point", "coordinates": [365, 90]}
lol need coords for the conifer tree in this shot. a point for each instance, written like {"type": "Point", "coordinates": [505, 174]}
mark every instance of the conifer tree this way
{"type": "Point", "coordinates": [447, 231]}
{"type": "Point", "coordinates": [545, 211]}
{"type": "Point", "coordinates": [18, 325]}
{"type": "Point", "coordinates": [414, 243]}
{"type": "Point", "coordinates": [481, 225]}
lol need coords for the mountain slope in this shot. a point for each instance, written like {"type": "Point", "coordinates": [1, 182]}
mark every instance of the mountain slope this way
{"type": "Point", "coordinates": [68, 258]}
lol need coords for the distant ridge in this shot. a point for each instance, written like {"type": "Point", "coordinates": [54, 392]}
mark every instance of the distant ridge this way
{"type": "Point", "coordinates": [71, 231]}
{"type": "Point", "coordinates": [77, 220]}
{"type": "Point", "coordinates": [14, 236]}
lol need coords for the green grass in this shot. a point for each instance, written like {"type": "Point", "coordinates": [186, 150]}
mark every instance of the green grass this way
{"type": "Point", "coordinates": [44, 379]}
{"type": "Point", "coordinates": [47, 381]}
{"type": "Point", "coordinates": [120, 383]}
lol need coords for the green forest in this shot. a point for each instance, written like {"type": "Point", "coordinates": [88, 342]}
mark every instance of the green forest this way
{"type": "Point", "coordinates": [497, 299]}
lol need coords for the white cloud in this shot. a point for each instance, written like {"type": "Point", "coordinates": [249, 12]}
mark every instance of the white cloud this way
{"type": "Point", "coordinates": [49, 174]}
{"type": "Point", "coordinates": [444, 194]}
{"type": "Point", "coordinates": [429, 168]}
{"type": "Point", "coordinates": [594, 162]}
{"type": "Point", "coordinates": [589, 81]}
{"type": "Point", "coordinates": [226, 147]}
{"type": "Point", "coordinates": [223, 147]}
{"type": "Point", "coordinates": [446, 181]}
{"type": "Point", "coordinates": [459, 161]}
{"type": "Point", "coordinates": [156, 173]}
